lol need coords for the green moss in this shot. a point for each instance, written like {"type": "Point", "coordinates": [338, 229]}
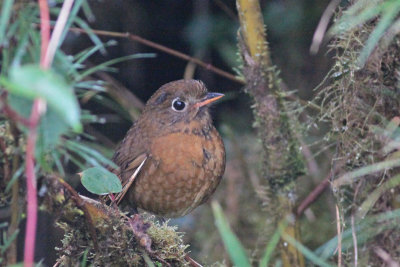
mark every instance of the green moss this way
{"type": "Point", "coordinates": [117, 245]}
{"type": "Point", "coordinates": [357, 102]}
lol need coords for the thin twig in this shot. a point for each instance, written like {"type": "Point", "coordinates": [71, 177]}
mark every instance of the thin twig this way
{"type": "Point", "coordinates": [322, 25]}
{"type": "Point", "coordinates": [353, 228]}
{"type": "Point", "coordinates": [354, 235]}
{"type": "Point", "coordinates": [312, 165]}
{"type": "Point", "coordinates": [57, 32]}
{"type": "Point", "coordinates": [181, 55]}
{"type": "Point", "coordinates": [58, 262]}
{"type": "Point", "coordinates": [121, 195]}
{"type": "Point", "coordinates": [226, 9]}
{"type": "Point", "coordinates": [122, 95]}
{"type": "Point", "coordinates": [15, 201]}
{"type": "Point", "coordinates": [313, 196]}
{"type": "Point", "coordinates": [44, 28]}
{"type": "Point", "coordinates": [339, 234]}
{"type": "Point", "coordinates": [386, 258]}
{"type": "Point", "coordinates": [192, 262]}
{"type": "Point", "coordinates": [165, 49]}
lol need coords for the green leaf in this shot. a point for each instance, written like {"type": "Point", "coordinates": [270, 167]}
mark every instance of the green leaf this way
{"type": "Point", "coordinates": [90, 155]}
{"type": "Point", "coordinates": [8, 240]}
{"type": "Point", "coordinates": [349, 20]}
{"type": "Point", "coordinates": [100, 181]}
{"type": "Point", "coordinates": [272, 244]}
{"type": "Point", "coordinates": [51, 125]}
{"type": "Point", "coordinates": [373, 197]}
{"type": "Point", "coordinates": [50, 129]}
{"type": "Point", "coordinates": [17, 265]}
{"type": "Point", "coordinates": [30, 81]}
{"type": "Point", "coordinates": [112, 62]}
{"type": "Point", "coordinates": [5, 14]}
{"type": "Point", "coordinates": [365, 230]}
{"type": "Point", "coordinates": [352, 176]}
{"type": "Point", "coordinates": [232, 244]}
{"type": "Point", "coordinates": [391, 11]}
{"type": "Point", "coordinates": [71, 19]}
{"type": "Point", "coordinates": [306, 252]}
{"type": "Point", "coordinates": [95, 39]}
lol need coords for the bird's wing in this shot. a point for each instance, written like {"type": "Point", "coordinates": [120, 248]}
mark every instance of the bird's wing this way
{"type": "Point", "coordinates": [130, 152]}
{"type": "Point", "coordinates": [135, 166]}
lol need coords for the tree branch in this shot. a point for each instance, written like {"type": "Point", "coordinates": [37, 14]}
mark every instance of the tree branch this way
{"type": "Point", "coordinates": [164, 49]}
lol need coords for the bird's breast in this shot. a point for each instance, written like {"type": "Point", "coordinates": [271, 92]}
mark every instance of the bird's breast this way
{"type": "Point", "coordinates": [183, 170]}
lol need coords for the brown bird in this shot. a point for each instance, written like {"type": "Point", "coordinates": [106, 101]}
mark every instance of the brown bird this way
{"type": "Point", "coordinates": [179, 152]}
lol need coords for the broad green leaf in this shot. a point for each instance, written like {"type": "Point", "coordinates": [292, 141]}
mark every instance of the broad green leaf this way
{"type": "Point", "coordinates": [51, 125]}
{"type": "Point", "coordinates": [100, 181]}
{"type": "Point", "coordinates": [232, 244]}
{"type": "Point", "coordinates": [50, 130]}
{"type": "Point", "coordinates": [31, 82]}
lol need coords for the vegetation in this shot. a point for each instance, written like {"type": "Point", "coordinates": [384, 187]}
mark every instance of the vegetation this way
{"type": "Point", "coordinates": [60, 106]}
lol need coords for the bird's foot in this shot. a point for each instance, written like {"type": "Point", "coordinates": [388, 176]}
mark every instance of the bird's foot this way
{"type": "Point", "coordinates": [139, 229]}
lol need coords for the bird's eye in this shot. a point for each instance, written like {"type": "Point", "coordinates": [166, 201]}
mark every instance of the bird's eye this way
{"type": "Point", "coordinates": [178, 105]}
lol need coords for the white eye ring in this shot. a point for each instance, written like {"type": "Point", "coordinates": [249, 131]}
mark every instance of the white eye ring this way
{"type": "Point", "coordinates": [178, 105]}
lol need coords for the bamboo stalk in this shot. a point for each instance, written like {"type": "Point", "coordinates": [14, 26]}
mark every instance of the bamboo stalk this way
{"type": "Point", "coordinates": [253, 30]}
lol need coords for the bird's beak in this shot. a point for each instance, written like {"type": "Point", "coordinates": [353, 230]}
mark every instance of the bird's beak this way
{"type": "Point", "coordinates": [210, 97]}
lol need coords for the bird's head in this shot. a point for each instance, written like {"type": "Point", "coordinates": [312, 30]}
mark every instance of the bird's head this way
{"type": "Point", "coordinates": [180, 101]}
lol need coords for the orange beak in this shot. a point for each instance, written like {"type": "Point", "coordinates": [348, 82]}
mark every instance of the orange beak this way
{"type": "Point", "coordinates": [210, 97]}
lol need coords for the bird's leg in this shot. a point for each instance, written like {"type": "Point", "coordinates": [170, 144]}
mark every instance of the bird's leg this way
{"type": "Point", "coordinates": [134, 210]}
{"type": "Point", "coordinates": [139, 229]}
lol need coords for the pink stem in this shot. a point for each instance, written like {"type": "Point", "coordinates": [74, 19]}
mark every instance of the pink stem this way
{"type": "Point", "coordinates": [30, 233]}
{"type": "Point", "coordinates": [44, 30]}
{"type": "Point", "coordinates": [38, 106]}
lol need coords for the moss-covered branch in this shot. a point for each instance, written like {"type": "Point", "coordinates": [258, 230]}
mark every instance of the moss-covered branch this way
{"type": "Point", "coordinates": [282, 163]}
